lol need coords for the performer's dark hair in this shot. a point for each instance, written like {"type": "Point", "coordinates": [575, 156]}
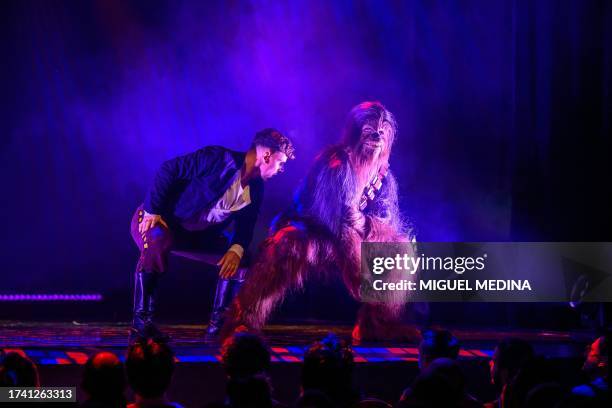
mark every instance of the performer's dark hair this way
{"type": "Point", "coordinates": [149, 368]}
{"type": "Point", "coordinates": [274, 140]}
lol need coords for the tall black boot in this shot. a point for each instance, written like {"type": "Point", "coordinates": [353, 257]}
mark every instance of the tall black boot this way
{"type": "Point", "coordinates": [226, 291]}
{"type": "Point", "coordinates": [145, 296]}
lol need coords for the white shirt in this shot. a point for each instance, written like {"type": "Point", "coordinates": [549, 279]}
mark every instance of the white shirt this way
{"type": "Point", "coordinates": [234, 199]}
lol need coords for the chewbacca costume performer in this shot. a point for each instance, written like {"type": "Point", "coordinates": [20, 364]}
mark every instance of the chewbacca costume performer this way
{"type": "Point", "coordinates": [349, 196]}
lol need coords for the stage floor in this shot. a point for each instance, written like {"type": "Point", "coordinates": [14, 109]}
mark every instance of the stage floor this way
{"type": "Point", "coordinates": [65, 343]}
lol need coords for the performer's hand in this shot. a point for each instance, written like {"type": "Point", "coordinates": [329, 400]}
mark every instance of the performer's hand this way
{"type": "Point", "coordinates": [149, 221]}
{"type": "Point", "coordinates": [229, 264]}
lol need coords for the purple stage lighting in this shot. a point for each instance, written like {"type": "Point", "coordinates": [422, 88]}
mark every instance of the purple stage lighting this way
{"type": "Point", "coordinates": [50, 297]}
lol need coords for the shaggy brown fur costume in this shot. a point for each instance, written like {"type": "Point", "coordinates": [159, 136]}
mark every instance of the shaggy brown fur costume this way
{"type": "Point", "coordinates": [322, 232]}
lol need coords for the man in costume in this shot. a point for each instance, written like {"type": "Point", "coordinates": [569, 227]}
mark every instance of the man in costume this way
{"type": "Point", "coordinates": [192, 201]}
{"type": "Point", "coordinates": [348, 197]}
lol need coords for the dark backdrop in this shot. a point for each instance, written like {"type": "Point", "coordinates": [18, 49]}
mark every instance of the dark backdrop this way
{"type": "Point", "coordinates": [503, 107]}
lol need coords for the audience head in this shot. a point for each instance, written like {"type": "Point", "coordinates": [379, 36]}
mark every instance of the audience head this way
{"type": "Point", "coordinates": [328, 367]}
{"type": "Point", "coordinates": [150, 366]}
{"type": "Point", "coordinates": [104, 378]}
{"type": "Point", "coordinates": [531, 374]}
{"type": "Point", "coordinates": [244, 355]}
{"type": "Point", "coordinates": [596, 361]}
{"type": "Point", "coordinates": [510, 355]}
{"type": "Point", "coordinates": [17, 371]}
{"type": "Point", "coordinates": [314, 399]}
{"type": "Point", "coordinates": [249, 392]}
{"type": "Point", "coordinates": [441, 384]}
{"type": "Point", "coordinates": [436, 344]}
{"type": "Point", "coordinates": [373, 403]}
{"type": "Point", "coordinates": [544, 395]}
{"type": "Point", "coordinates": [578, 401]}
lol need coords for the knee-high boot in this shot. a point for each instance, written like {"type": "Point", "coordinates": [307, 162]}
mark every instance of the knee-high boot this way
{"type": "Point", "coordinates": [145, 297]}
{"type": "Point", "coordinates": [226, 291]}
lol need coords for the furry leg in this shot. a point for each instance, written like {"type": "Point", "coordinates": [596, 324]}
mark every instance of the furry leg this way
{"type": "Point", "coordinates": [382, 320]}
{"type": "Point", "coordinates": [376, 322]}
{"type": "Point", "coordinates": [280, 265]}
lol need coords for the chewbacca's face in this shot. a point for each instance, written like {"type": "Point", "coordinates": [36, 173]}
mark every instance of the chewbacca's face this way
{"type": "Point", "coordinates": [375, 140]}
